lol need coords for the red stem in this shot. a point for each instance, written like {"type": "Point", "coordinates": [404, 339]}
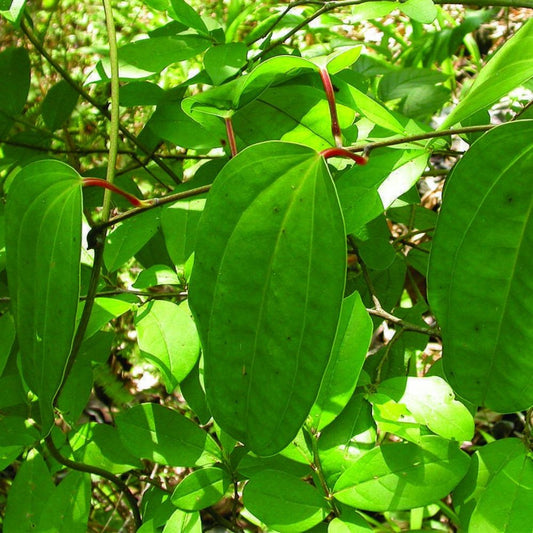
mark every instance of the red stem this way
{"type": "Point", "coordinates": [231, 136]}
{"type": "Point", "coordinates": [330, 95]}
{"type": "Point", "coordinates": [97, 182]}
{"type": "Point", "coordinates": [342, 152]}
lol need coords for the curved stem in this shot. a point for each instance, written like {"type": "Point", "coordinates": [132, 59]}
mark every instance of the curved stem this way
{"type": "Point", "coordinates": [330, 95]}
{"type": "Point", "coordinates": [343, 152]}
{"type": "Point", "coordinates": [82, 467]}
{"type": "Point", "coordinates": [133, 200]}
{"type": "Point", "coordinates": [150, 204]}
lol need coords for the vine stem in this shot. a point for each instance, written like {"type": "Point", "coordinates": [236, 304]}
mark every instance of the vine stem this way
{"type": "Point", "coordinates": [89, 469]}
{"type": "Point", "coordinates": [367, 148]}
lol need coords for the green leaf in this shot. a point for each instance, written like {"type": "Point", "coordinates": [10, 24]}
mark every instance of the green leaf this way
{"type": "Point", "coordinates": [399, 476]}
{"type": "Point", "coordinates": [270, 263]}
{"type": "Point", "coordinates": [7, 337]}
{"type": "Point", "coordinates": [284, 502]}
{"type": "Point", "coordinates": [349, 523]}
{"type": "Point", "coordinates": [179, 223]}
{"type": "Point", "coordinates": [170, 123]}
{"type": "Point", "coordinates": [104, 310]}
{"type": "Point", "coordinates": [12, 10]}
{"type": "Point", "coordinates": [479, 288]}
{"type": "Point", "coordinates": [431, 401]}
{"type": "Point", "coordinates": [373, 244]}
{"type": "Point", "coordinates": [488, 461]}
{"type": "Point", "coordinates": [129, 237]}
{"type": "Point", "coordinates": [15, 75]}
{"type": "Point", "coordinates": [347, 438]}
{"type": "Point", "coordinates": [505, 505]}
{"type": "Point", "coordinates": [510, 67]}
{"type": "Point", "coordinates": [43, 243]}
{"type": "Point", "coordinates": [292, 113]}
{"type": "Point", "coordinates": [58, 105]}
{"type": "Point", "coordinates": [33, 485]}
{"type": "Point", "coordinates": [183, 522]}
{"type": "Point", "coordinates": [423, 11]}
{"type": "Point", "coordinates": [167, 337]}
{"type": "Point", "coordinates": [139, 93]}
{"type": "Point", "coordinates": [151, 431]}
{"type": "Point", "coordinates": [193, 392]}
{"type": "Point", "coordinates": [67, 509]}
{"type": "Point", "coordinates": [100, 445]}
{"type": "Point", "coordinates": [339, 59]}
{"type": "Point", "coordinates": [201, 489]}
{"type": "Point", "coordinates": [225, 100]}
{"type": "Point", "coordinates": [347, 357]}
{"type": "Point", "coordinates": [224, 61]}
{"type": "Point", "coordinates": [156, 275]}
{"type": "Point", "coordinates": [157, 53]}
{"type": "Point", "coordinates": [184, 13]}
{"type": "Point", "coordinates": [365, 192]}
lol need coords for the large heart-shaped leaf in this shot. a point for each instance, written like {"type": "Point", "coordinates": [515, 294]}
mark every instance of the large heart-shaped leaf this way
{"type": "Point", "coordinates": [266, 290]}
{"type": "Point", "coordinates": [43, 242]}
{"type": "Point", "coordinates": [480, 285]}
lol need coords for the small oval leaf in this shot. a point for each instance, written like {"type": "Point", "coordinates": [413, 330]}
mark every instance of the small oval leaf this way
{"type": "Point", "coordinates": [400, 476]}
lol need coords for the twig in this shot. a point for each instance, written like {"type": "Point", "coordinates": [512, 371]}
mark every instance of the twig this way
{"type": "Point", "coordinates": [89, 469]}
{"type": "Point", "coordinates": [367, 148]}
{"type": "Point", "coordinates": [156, 202]}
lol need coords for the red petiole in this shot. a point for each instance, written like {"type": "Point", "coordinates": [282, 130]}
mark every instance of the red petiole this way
{"type": "Point", "coordinates": [342, 152]}
{"type": "Point", "coordinates": [133, 200]}
{"type": "Point", "coordinates": [330, 95]}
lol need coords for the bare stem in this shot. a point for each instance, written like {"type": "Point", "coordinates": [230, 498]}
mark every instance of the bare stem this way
{"type": "Point", "coordinates": [89, 469]}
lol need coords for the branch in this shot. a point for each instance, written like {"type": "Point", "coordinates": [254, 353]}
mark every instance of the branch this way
{"type": "Point", "coordinates": [407, 326]}
{"type": "Point", "coordinates": [89, 469]}
{"type": "Point", "coordinates": [155, 202]}
{"type": "Point", "coordinates": [367, 148]}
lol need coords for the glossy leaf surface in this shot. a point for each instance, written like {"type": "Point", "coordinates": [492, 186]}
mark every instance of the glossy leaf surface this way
{"type": "Point", "coordinates": [25, 504]}
{"type": "Point", "coordinates": [347, 357]}
{"type": "Point", "coordinates": [67, 509]}
{"type": "Point", "coordinates": [284, 502]}
{"type": "Point", "coordinates": [480, 286]}
{"type": "Point", "coordinates": [43, 241]}
{"type": "Point", "coordinates": [154, 432]}
{"type": "Point", "coordinates": [269, 265]}
{"type": "Point", "coordinates": [201, 489]}
{"type": "Point", "coordinates": [167, 337]}
{"type": "Point", "coordinates": [402, 475]}
{"type": "Point", "coordinates": [505, 505]}
{"type": "Point", "coordinates": [431, 402]}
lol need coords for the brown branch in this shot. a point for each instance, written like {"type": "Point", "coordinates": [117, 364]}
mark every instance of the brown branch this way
{"type": "Point", "coordinates": [89, 469]}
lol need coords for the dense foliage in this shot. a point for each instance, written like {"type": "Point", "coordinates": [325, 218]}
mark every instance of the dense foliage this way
{"type": "Point", "coordinates": [266, 266]}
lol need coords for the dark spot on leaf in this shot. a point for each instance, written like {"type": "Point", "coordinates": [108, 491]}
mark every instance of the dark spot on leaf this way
{"type": "Point", "coordinates": [335, 89]}
{"type": "Point", "coordinates": [510, 199]}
